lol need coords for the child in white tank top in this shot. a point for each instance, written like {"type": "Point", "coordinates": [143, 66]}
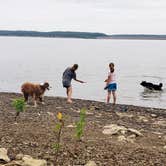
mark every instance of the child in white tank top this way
{"type": "Point", "coordinates": [111, 85]}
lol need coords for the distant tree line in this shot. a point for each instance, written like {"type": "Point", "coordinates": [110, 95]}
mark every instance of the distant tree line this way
{"type": "Point", "coordinates": [84, 35]}
{"type": "Point", "coordinates": [138, 36]}
{"type": "Point", "coordinates": [61, 34]}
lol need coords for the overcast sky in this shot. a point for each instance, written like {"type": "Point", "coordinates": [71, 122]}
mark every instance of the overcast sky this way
{"type": "Point", "coordinates": [108, 16]}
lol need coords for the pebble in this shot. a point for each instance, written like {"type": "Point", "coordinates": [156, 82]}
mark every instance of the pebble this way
{"type": "Point", "coordinates": [122, 138]}
{"type": "Point", "coordinates": [164, 138]}
{"type": "Point", "coordinates": [132, 136]}
{"type": "Point", "coordinates": [153, 115]}
{"type": "Point", "coordinates": [3, 155]}
{"type": "Point", "coordinates": [91, 163]}
{"type": "Point", "coordinates": [19, 156]}
{"type": "Point", "coordinates": [70, 126]}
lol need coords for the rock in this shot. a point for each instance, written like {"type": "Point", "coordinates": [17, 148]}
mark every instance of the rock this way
{"type": "Point", "coordinates": [121, 115]}
{"type": "Point", "coordinates": [89, 113]}
{"type": "Point", "coordinates": [142, 118]}
{"type": "Point", "coordinates": [160, 123]}
{"type": "Point", "coordinates": [58, 107]}
{"type": "Point", "coordinates": [114, 129]}
{"type": "Point", "coordinates": [50, 113]}
{"type": "Point", "coordinates": [91, 163]}
{"type": "Point", "coordinates": [14, 163]}
{"type": "Point", "coordinates": [164, 147]}
{"type": "Point", "coordinates": [26, 143]}
{"type": "Point", "coordinates": [157, 133]}
{"type": "Point", "coordinates": [77, 111]}
{"type": "Point", "coordinates": [153, 115]}
{"type": "Point", "coordinates": [33, 144]}
{"type": "Point", "coordinates": [132, 136]}
{"type": "Point", "coordinates": [98, 116]}
{"type": "Point", "coordinates": [135, 132]}
{"type": "Point", "coordinates": [50, 164]}
{"type": "Point", "coordinates": [91, 108]}
{"type": "Point", "coordinates": [3, 155]}
{"type": "Point", "coordinates": [122, 138]}
{"type": "Point", "coordinates": [19, 156]}
{"type": "Point", "coordinates": [124, 108]}
{"type": "Point", "coordinates": [70, 126]}
{"type": "Point", "coordinates": [96, 108]}
{"type": "Point", "coordinates": [6, 139]}
{"type": "Point", "coordinates": [123, 132]}
{"type": "Point", "coordinates": [29, 161]}
{"type": "Point", "coordinates": [164, 138]}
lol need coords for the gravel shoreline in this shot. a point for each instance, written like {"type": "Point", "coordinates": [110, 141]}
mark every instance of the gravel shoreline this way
{"type": "Point", "coordinates": [33, 133]}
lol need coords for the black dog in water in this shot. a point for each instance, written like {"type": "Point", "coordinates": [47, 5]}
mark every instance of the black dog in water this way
{"type": "Point", "coordinates": [151, 86]}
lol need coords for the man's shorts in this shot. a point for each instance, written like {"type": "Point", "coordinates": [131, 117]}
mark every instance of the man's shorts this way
{"type": "Point", "coordinates": [66, 84]}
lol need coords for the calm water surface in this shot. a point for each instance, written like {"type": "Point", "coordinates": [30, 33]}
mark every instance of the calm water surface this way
{"type": "Point", "coordinates": [44, 59]}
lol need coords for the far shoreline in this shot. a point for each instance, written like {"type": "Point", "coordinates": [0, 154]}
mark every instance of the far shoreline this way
{"type": "Point", "coordinates": [75, 38]}
{"type": "Point", "coordinates": [79, 35]}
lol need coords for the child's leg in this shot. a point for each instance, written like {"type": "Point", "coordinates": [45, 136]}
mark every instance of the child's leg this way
{"type": "Point", "coordinates": [108, 97]}
{"type": "Point", "coordinates": [69, 94]}
{"type": "Point", "coordinates": [114, 96]}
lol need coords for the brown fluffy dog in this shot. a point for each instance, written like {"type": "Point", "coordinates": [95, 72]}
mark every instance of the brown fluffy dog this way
{"type": "Point", "coordinates": [36, 91]}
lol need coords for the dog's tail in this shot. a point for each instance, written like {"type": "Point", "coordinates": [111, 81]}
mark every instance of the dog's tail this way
{"type": "Point", "coordinates": [160, 84]}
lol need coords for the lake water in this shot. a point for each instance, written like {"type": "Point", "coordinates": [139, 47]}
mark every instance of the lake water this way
{"type": "Point", "coordinates": [44, 59]}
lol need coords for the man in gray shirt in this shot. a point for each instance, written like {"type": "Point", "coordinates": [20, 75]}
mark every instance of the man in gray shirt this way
{"type": "Point", "coordinates": [67, 77]}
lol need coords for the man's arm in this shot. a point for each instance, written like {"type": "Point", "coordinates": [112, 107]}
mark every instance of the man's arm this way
{"type": "Point", "coordinates": [79, 80]}
{"type": "Point", "coordinates": [75, 78]}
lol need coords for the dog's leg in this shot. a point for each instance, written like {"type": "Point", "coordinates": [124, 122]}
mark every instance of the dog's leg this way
{"type": "Point", "coordinates": [35, 103]}
{"type": "Point", "coordinates": [41, 99]}
{"type": "Point", "coordinates": [35, 100]}
{"type": "Point", "coordinates": [26, 97]}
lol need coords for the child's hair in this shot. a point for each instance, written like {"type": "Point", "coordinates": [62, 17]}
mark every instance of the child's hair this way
{"type": "Point", "coordinates": [111, 65]}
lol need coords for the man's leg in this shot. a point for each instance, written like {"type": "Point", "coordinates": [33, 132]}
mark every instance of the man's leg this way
{"type": "Point", "coordinates": [69, 94]}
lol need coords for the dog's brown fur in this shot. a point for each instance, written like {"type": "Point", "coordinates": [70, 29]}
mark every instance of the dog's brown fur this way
{"type": "Point", "coordinates": [36, 91]}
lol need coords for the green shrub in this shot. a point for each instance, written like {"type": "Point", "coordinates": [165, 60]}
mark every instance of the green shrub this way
{"type": "Point", "coordinates": [58, 131]}
{"type": "Point", "coordinates": [19, 105]}
{"type": "Point", "coordinates": [80, 124]}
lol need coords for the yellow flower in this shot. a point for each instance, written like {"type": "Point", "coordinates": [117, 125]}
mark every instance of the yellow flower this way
{"type": "Point", "coordinates": [59, 115]}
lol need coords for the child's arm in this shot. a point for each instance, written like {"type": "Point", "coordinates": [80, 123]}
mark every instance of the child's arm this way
{"type": "Point", "coordinates": [107, 83]}
{"type": "Point", "coordinates": [108, 80]}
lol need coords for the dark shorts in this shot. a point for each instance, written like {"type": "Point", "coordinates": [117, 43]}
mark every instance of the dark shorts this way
{"type": "Point", "coordinates": [112, 87]}
{"type": "Point", "coordinates": [66, 84]}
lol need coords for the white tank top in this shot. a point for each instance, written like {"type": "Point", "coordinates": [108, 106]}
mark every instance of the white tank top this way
{"type": "Point", "coordinates": [112, 77]}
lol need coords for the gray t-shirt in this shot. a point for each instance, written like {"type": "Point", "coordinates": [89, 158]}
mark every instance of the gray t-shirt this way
{"type": "Point", "coordinates": [68, 75]}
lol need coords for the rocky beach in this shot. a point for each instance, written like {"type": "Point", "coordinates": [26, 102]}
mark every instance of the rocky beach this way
{"type": "Point", "coordinates": [120, 135]}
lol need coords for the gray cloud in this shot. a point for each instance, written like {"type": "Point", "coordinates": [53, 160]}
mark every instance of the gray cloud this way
{"type": "Point", "coordinates": [109, 16]}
